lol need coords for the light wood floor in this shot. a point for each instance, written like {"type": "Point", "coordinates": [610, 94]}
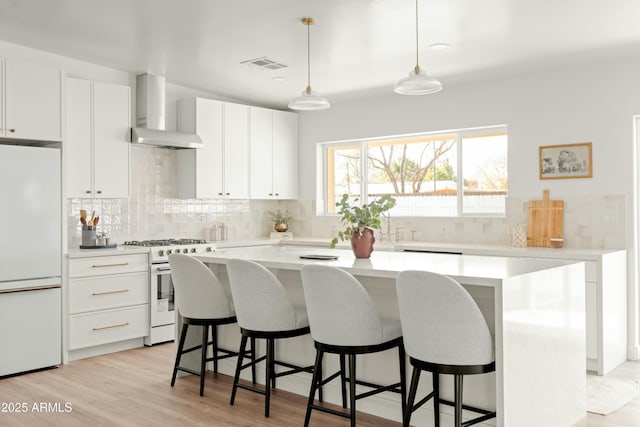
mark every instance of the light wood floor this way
{"type": "Point", "coordinates": [131, 388]}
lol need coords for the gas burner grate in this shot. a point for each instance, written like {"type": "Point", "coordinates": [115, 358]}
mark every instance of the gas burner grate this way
{"type": "Point", "coordinates": [164, 242]}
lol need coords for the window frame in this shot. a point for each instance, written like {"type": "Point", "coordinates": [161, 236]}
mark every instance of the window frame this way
{"type": "Point", "coordinates": [323, 149]}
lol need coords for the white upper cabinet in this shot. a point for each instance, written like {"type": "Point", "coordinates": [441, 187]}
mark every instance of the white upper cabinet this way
{"type": "Point", "coordinates": [97, 143]}
{"type": "Point", "coordinates": [32, 102]}
{"type": "Point", "coordinates": [221, 168]}
{"type": "Point", "coordinates": [274, 154]}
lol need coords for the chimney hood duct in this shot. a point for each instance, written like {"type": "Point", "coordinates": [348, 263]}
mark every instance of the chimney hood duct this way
{"type": "Point", "coordinates": [150, 117]}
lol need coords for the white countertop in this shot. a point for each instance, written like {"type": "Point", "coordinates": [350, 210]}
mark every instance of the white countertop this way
{"type": "Point", "coordinates": [470, 269]}
{"type": "Point", "coordinates": [464, 248]}
{"type": "Point", "coordinates": [385, 246]}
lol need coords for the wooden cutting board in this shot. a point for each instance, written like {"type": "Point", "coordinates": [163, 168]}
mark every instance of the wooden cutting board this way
{"type": "Point", "coordinates": [546, 218]}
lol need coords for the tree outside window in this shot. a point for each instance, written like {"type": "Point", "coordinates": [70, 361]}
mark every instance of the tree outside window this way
{"type": "Point", "coordinates": [448, 174]}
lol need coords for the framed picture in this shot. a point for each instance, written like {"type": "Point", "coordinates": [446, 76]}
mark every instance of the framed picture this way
{"type": "Point", "coordinates": [566, 161]}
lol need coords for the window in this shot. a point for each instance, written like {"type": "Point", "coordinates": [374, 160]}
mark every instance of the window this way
{"type": "Point", "coordinates": [437, 174]}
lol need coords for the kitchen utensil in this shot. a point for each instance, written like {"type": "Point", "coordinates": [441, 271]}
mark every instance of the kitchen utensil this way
{"type": "Point", "coordinates": [546, 219]}
{"type": "Point", "coordinates": [83, 221]}
{"type": "Point", "coordinates": [93, 215]}
{"type": "Point", "coordinates": [95, 221]}
{"type": "Point", "coordinates": [83, 217]}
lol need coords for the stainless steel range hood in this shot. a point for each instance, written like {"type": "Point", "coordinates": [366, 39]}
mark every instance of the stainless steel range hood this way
{"type": "Point", "coordinates": [150, 117]}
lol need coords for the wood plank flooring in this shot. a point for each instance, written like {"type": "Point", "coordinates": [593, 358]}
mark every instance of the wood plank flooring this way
{"type": "Point", "coordinates": [131, 388]}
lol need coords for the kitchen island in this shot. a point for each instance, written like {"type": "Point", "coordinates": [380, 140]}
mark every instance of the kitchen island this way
{"type": "Point", "coordinates": [535, 309]}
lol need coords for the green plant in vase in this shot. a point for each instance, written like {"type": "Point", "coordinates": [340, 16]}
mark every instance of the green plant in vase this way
{"type": "Point", "coordinates": [281, 221]}
{"type": "Point", "coordinates": [359, 221]}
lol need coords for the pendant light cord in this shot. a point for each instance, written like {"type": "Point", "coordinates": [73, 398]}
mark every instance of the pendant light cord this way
{"type": "Point", "coordinates": [308, 58]}
{"type": "Point", "coordinates": [417, 40]}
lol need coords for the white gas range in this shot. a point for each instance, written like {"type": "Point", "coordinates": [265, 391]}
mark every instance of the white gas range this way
{"type": "Point", "coordinates": [162, 302]}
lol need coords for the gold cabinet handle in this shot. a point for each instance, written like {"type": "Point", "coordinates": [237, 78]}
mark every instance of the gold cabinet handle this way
{"type": "Point", "coordinates": [99, 191]}
{"type": "Point", "coordinates": [109, 265]}
{"type": "Point", "coordinates": [12, 130]}
{"type": "Point", "coordinates": [119, 325]}
{"type": "Point", "coordinates": [110, 292]}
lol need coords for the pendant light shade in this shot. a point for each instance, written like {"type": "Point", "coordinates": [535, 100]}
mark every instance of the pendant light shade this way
{"type": "Point", "coordinates": [418, 82]}
{"type": "Point", "coordinates": [308, 99]}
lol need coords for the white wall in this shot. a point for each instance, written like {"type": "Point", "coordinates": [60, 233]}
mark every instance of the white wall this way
{"type": "Point", "coordinates": [584, 103]}
{"type": "Point", "coordinates": [565, 106]}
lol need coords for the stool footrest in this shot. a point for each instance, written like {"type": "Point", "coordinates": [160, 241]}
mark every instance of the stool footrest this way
{"type": "Point", "coordinates": [423, 401]}
{"type": "Point", "coordinates": [293, 369]}
{"type": "Point", "coordinates": [467, 407]}
{"type": "Point", "coordinates": [331, 411]}
{"type": "Point", "coordinates": [377, 389]}
{"type": "Point", "coordinates": [250, 388]}
{"type": "Point", "coordinates": [191, 371]}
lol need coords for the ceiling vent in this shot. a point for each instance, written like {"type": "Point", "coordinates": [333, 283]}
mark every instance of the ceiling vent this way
{"type": "Point", "coordinates": [264, 63]}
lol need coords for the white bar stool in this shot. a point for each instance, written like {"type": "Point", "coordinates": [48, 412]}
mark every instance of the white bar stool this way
{"type": "Point", "coordinates": [344, 321]}
{"type": "Point", "coordinates": [200, 300]}
{"type": "Point", "coordinates": [264, 311]}
{"type": "Point", "coordinates": [444, 333]}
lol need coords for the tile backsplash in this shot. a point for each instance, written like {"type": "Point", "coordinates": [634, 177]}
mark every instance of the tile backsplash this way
{"type": "Point", "coordinates": [153, 211]}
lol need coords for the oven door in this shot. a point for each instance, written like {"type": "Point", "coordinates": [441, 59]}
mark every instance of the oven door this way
{"type": "Point", "coordinates": [162, 296]}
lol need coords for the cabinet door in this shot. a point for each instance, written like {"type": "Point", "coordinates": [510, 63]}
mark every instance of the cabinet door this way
{"type": "Point", "coordinates": [77, 146]}
{"type": "Point", "coordinates": [285, 155]}
{"type": "Point", "coordinates": [209, 160]}
{"type": "Point", "coordinates": [33, 101]}
{"type": "Point", "coordinates": [236, 151]}
{"type": "Point", "coordinates": [111, 125]}
{"type": "Point", "coordinates": [261, 138]}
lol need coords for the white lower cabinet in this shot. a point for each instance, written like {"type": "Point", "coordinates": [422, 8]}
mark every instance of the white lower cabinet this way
{"type": "Point", "coordinates": [107, 326]}
{"type": "Point", "coordinates": [108, 302]}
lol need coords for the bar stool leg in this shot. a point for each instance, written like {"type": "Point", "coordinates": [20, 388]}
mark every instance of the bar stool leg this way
{"type": "Point", "coordinates": [403, 378]}
{"type": "Point", "coordinates": [343, 380]}
{"type": "Point", "coordinates": [436, 398]}
{"type": "Point", "coordinates": [183, 336]}
{"type": "Point", "coordinates": [203, 359]}
{"type": "Point", "coordinates": [352, 388]}
{"type": "Point", "coordinates": [273, 362]}
{"type": "Point", "coordinates": [269, 371]}
{"type": "Point", "coordinates": [214, 344]}
{"type": "Point", "coordinates": [253, 360]}
{"type": "Point", "coordinates": [315, 379]}
{"type": "Point", "coordinates": [458, 400]}
{"type": "Point", "coordinates": [415, 378]}
{"type": "Point", "coordinates": [236, 378]}
{"type": "Point", "coordinates": [320, 396]}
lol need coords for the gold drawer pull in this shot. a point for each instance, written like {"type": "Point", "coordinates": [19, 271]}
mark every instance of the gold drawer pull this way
{"type": "Point", "coordinates": [119, 325]}
{"type": "Point", "coordinates": [110, 292]}
{"type": "Point", "coordinates": [109, 265]}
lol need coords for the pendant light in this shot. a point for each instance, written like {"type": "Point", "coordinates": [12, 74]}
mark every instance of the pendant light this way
{"type": "Point", "coordinates": [308, 100]}
{"type": "Point", "coordinates": [417, 83]}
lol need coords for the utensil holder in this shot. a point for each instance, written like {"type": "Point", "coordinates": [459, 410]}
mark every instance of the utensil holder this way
{"type": "Point", "coordinates": [88, 235]}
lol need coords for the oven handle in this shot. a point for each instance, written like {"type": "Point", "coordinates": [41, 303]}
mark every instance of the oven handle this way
{"type": "Point", "coordinates": [162, 268]}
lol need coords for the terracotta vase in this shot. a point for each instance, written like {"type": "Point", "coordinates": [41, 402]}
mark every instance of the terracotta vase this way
{"type": "Point", "coordinates": [362, 243]}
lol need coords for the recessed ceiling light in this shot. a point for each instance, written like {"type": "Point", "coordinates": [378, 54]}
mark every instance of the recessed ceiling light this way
{"type": "Point", "coordinates": [278, 79]}
{"type": "Point", "coordinates": [439, 46]}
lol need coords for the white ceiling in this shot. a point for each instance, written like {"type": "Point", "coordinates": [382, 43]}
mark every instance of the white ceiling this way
{"type": "Point", "coordinates": [356, 45]}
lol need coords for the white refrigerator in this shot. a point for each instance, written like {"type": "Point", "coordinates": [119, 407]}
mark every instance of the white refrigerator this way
{"type": "Point", "coordinates": [30, 258]}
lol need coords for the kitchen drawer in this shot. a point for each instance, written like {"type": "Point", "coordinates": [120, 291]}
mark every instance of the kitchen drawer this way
{"type": "Point", "coordinates": [86, 330]}
{"type": "Point", "coordinates": [112, 264]}
{"type": "Point", "coordinates": [104, 292]}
